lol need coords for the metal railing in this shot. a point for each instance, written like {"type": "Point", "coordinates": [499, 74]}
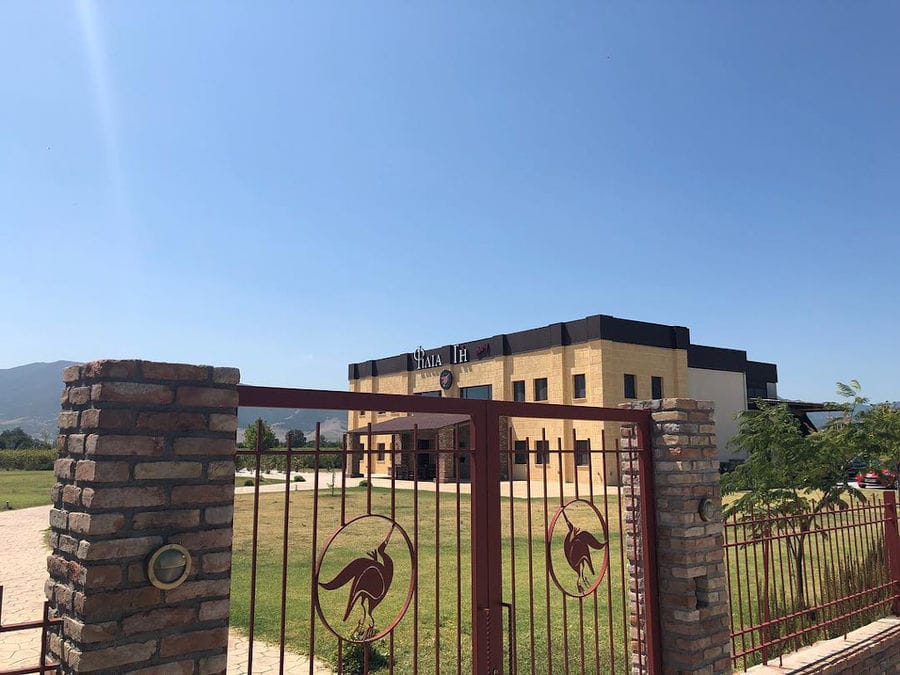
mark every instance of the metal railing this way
{"type": "Point", "coordinates": [371, 569]}
{"type": "Point", "coordinates": [795, 579]}
{"type": "Point", "coordinates": [44, 623]}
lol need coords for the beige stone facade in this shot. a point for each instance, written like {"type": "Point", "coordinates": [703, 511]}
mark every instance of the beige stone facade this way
{"type": "Point", "coordinates": [596, 361]}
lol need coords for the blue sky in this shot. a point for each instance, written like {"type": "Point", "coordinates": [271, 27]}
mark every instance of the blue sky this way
{"type": "Point", "coordinates": [289, 187]}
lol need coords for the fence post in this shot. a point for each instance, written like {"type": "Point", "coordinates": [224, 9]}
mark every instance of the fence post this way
{"type": "Point", "coordinates": [892, 545]}
{"type": "Point", "coordinates": [694, 616]}
{"type": "Point", "coordinates": [146, 458]}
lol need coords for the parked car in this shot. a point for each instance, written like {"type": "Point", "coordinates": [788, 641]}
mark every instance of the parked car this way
{"type": "Point", "coordinates": [877, 479]}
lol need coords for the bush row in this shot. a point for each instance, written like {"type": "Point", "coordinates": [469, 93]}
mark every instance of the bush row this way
{"type": "Point", "coordinates": [30, 459]}
{"type": "Point", "coordinates": [298, 461]}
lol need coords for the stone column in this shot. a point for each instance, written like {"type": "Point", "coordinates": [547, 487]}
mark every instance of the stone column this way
{"type": "Point", "coordinates": [146, 458]}
{"type": "Point", "coordinates": [354, 453]}
{"type": "Point", "coordinates": [503, 448]}
{"type": "Point", "coordinates": [693, 594]}
{"type": "Point", "coordinates": [444, 469]}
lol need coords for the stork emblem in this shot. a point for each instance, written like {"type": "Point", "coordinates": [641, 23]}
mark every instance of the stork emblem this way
{"type": "Point", "coordinates": [579, 546]}
{"type": "Point", "coordinates": [369, 576]}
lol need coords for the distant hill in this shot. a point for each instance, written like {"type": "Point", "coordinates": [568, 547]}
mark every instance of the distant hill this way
{"type": "Point", "coordinates": [29, 398]}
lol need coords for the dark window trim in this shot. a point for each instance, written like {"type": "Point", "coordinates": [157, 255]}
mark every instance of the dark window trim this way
{"type": "Point", "coordinates": [575, 386]}
{"type": "Point", "coordinates": [520, 452]}
{"type": "Point", "coordinates": [542, 452]}
{"type": "Point", "coordinates": [515, 398]}
{"type": "Point", "coordinates": [546, 392]}
{"type": "Point", "coordinates": [630, 379]}
{"type": "Point", "coordinates": [657, 390]}
{"type": "Point", "coordinates": [582, 452]}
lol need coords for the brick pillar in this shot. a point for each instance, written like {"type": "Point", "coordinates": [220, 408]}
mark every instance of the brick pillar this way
{"type": "Point", "coordinates": [444, 469]}
{"type": "Point", "coordinates": [693, 600]}
{"type": "Point", "coordinates": [146, 458]}
{"type": "Point", "coordinates": [503, 448]}
{"type": "Point", "coordinates": [354, 453]}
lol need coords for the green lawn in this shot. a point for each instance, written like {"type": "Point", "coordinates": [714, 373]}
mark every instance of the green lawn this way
{"type": "Point", "coordinates": [440, 619]}
{"type": "Point", "coordinates": [22, 489]}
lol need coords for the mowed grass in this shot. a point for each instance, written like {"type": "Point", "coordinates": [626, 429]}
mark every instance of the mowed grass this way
{"type": "Point", "coordinates": [23, 489]}
{"type": "Point", "coordinates": [548, 625]}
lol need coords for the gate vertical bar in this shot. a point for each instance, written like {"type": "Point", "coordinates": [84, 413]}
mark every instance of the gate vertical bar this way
{"type": "Point", "coordinates": [648, 540]}
{"type": "Point", "coordinates": [892, 544]}
{"type": "Point", "coordinates": [487, 634]}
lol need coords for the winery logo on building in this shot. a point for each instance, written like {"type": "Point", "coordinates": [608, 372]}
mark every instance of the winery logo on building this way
{"type": "Point", "coordinates": [433, 360]}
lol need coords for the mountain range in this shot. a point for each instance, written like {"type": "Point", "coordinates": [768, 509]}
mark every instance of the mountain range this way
{"type": "Point", "coordinates": [29, 398]}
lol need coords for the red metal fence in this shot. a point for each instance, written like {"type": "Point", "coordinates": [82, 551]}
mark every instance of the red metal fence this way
{"type": "Point", "coordinates": [505, 567]}
{"type": "Point", "coordinates": [795, 579]}
{"type": "Point", "coordinates": [43, 664]}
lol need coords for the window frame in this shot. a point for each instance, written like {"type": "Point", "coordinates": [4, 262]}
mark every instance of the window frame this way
{"type": "Point", "coordinates": [520, 450]}
{"type": "Point", "coordinates": [380, 451]}
{"type": "Point", "coordinates": [515, 393]}
{"type": "Point", "coordinates": [546, 392]}
{"type": "Point", "coordinates": [631, 380]}
{"type": "Point", "coordinates": [582, 450]}
{"type": "Point", "coordinates": [656, 382]}
{"type": "Point", "coordinates": [542, 452]}
{"type": "Point", "coordinates": [575, 379]}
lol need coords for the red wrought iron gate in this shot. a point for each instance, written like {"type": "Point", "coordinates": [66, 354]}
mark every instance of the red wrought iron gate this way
{"type": "Point", "coordinates": [441, 537]}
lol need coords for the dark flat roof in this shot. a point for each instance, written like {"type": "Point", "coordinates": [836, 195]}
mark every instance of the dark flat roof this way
{"type": "Point", "coordinates": [595, 327]}
{"type": "Point", "coordinates": [423, 421]}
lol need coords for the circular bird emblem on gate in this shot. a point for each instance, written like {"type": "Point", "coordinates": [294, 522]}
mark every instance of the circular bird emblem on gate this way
{"type": "Point", "coordinates": [356, 593]}
{"type": "Point", "coordinates": [578, 545]}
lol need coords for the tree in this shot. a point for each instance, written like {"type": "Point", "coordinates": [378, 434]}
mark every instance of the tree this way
{"type": "Point", "coordinates": [13, 439]}
{"type": "Point", "coordinates": [268, 440]}
{"type": "Point", "coordinates": [793, 477]}
{"type": "Point", "coordinates": [878, 430]}
{"type": "Point", "coordinates": [298, 438]}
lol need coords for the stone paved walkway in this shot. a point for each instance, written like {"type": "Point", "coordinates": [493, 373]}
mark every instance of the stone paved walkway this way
{"type": "Point", "coordinates": [23, 570]}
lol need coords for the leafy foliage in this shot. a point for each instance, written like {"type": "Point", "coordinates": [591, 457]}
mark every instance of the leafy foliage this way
{"type": "Point", "coordinates": [13, 439]}
{"type": "Point", "coordinates": [298, 438]}
{"type": "Point", "coordinates": [793, 476]}
{"type": "Point", "coordinates": [268, 439]}
{"type": "Point", "coordinates": [27, 459]}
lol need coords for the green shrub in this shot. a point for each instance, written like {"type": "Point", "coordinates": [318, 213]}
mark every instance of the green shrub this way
{"type": "Point", "coordinates": [354, 657]}
{"type": "Point", "coordinates": [363, 483]}
{"type": "Point", "coordinates": [248, 482]}
{"type": "Point", "coordinates": [31, 459]}
{"type": "Point", "coordinates": [299, 479]}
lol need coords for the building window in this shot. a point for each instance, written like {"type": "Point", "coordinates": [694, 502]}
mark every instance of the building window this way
{"type": "Point", "coordinates": [542, 452]}
{"type": "Point", "coordinates": [756, 390]}
{"type": "Point", "coordinates": [656, 387]}
{"type": "Point", "coordinates": [380, 455]}
{"type": "Point", "coordinates": [519, 390]}
{"type": "Point", "coordinates": [630, 389]}
{"type": "Point", "coordinates": [521, 452]}
{"type": "Point", "coordinates": [578, 388]}
{"type": "Point", "coordinates": [540, 389]}
{"type": "Point", "coordinates": [362, 413]}
{"type": "Point", "coordinates": [429, 394]}
{"type": "Point", "coordinates": [582, 453]}
{"type": "Point", "coordinates": [481, 391]}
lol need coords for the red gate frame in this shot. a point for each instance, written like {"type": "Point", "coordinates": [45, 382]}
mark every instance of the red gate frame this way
{"type": "Point", "coordinates": [487, 633]}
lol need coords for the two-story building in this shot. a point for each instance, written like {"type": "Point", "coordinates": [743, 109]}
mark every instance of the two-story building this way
{"type": "Point", "coordinates": [596, 361]}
